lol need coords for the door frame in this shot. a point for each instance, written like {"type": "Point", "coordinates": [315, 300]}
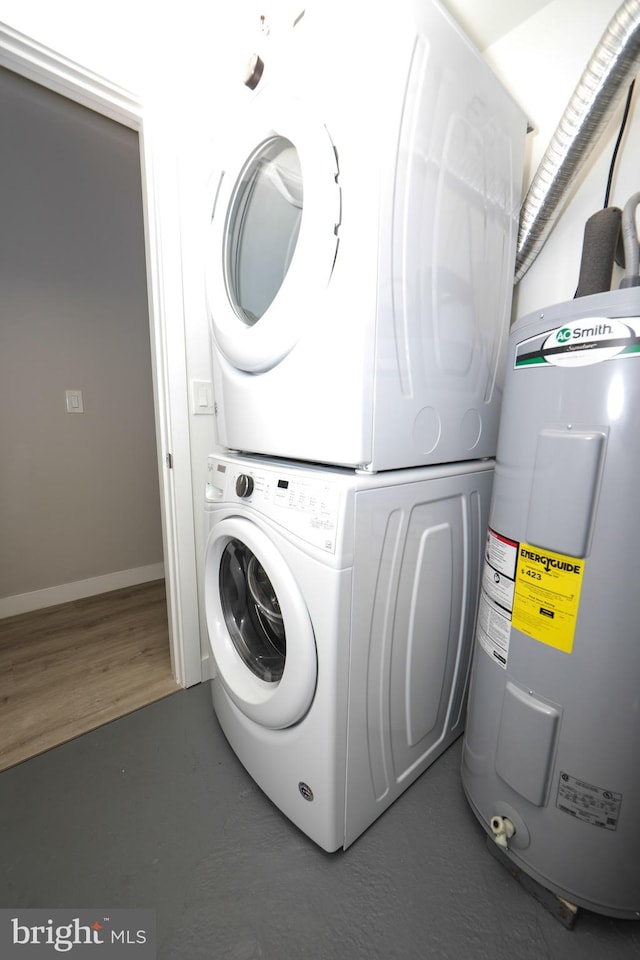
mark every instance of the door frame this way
{"type": "Point", "coordinates": [161, 210]}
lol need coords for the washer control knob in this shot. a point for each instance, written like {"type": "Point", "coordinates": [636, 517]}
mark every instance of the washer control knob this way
{"type": "Point", "coordinates": [244, 485]}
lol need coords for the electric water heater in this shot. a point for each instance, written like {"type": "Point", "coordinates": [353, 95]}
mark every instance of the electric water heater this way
{"type": "Point", "coordinates": [551, 757]}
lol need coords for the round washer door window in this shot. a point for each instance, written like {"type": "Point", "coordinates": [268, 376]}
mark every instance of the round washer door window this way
{"type": "Point", "coordinates": [251, 611]}
{"type": "Point", "coordinates": [273, 236]}
{"type": "Point", "coordinates": [259, 628]}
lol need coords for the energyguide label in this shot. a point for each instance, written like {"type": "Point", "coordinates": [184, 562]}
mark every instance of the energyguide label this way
{"type": "Point", "coordinates": [534, 590]}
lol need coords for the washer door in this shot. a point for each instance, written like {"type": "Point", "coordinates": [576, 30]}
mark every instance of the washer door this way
{"type": "Point", "coordinates": [259, 627]}
{"type": "Point", "coordinates": [273, 237]}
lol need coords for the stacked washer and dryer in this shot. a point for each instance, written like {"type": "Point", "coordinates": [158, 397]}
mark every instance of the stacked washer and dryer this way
{"type": "Point", "coordinates": [359, 276]}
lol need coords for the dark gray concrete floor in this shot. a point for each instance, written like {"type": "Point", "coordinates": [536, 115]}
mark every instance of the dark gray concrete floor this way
{"type": "Point", "coordinates": [154, 811]}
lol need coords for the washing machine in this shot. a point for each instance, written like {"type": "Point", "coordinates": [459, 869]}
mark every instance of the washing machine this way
{"type": "Point", "coordinates": [340, 613]}
{"type": "Point", "coordinates": [360, 252]}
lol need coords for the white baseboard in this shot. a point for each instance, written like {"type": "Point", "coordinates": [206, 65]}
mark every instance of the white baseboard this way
{"type": "Point", "coordinates": [50, 596]}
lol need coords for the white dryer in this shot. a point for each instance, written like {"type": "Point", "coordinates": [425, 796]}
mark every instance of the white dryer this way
{"type": "Point", "coordinates": [340, 611]}
{"type": "Point", "coordinates": [361, 246]}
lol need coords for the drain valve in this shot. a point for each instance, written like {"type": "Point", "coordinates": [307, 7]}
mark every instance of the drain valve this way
{"type": "Point", "coordinates": [502, 829]}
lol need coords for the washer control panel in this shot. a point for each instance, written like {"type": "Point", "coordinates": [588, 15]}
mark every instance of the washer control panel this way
{"type": "Point", "coordinates": [304, 502]}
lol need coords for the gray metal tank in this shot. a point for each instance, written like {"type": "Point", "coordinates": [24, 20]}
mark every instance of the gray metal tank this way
{"type": "Point", "coordinates": [552, 743]}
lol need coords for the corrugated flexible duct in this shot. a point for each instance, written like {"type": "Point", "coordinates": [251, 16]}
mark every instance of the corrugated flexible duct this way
{"type": "Point", "coordinates": [613, 65]}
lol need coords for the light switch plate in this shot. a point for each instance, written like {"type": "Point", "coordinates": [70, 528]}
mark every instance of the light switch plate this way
{"type": "Point", "coordinates": [202, 396]}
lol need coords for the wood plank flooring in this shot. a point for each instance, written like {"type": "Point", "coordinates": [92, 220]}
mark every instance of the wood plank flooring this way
{"type": "Point", "coordinates": [67, 669]}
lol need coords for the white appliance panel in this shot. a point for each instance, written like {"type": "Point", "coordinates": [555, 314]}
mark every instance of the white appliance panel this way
{"type": "Point", "coordinates": [381, 341]}
{"type": "Point", "coordinates": [375, 578]}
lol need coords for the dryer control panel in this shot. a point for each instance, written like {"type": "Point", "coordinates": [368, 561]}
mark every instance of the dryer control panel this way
{"type": "Point", "coordinates": [306, 504]}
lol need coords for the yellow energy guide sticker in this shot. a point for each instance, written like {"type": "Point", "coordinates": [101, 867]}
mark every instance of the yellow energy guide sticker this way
{"type": "Point", "coordinates": [547, 595]}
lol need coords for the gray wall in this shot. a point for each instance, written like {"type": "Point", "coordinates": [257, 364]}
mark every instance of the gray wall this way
{"type": "Point", "coordinates": [79, 493]}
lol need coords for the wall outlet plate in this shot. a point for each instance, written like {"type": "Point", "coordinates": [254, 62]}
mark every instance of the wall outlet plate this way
{"type": "Point", "coordinates": [74, 400]}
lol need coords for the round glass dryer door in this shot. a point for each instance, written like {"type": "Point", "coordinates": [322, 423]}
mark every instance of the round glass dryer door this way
{"type": "Point", "coordinates": [273, 235]}
{"type": "Point", "coordinates": [259, 628]}
{"type": "Point", "coordinates": [264, 224]}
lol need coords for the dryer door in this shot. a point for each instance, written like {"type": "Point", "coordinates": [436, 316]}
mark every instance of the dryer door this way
{"type": "Point", "coordinates": [273, 236]}
{"type": "Point", "coordinates": [259, 628]}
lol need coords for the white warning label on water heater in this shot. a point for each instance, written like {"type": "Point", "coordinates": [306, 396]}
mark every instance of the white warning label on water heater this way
{"type": "Point", "coordinates": [496, 597]}
{"type": "Point", "coordinates": [594, 805]}
{"type": "Point", "coordinates": [493, 631]}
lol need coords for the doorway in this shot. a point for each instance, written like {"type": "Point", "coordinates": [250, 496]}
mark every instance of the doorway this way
{"type": "Point", "coordinates": [27, 59]}
{"type": "Point", "coordinates": [81, 496]}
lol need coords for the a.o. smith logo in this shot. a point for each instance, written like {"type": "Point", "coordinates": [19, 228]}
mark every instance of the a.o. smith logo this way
{"type": "Point", "coordinates": [581, 342]}
{"type": "Point", "coordinates": [112, 933]}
